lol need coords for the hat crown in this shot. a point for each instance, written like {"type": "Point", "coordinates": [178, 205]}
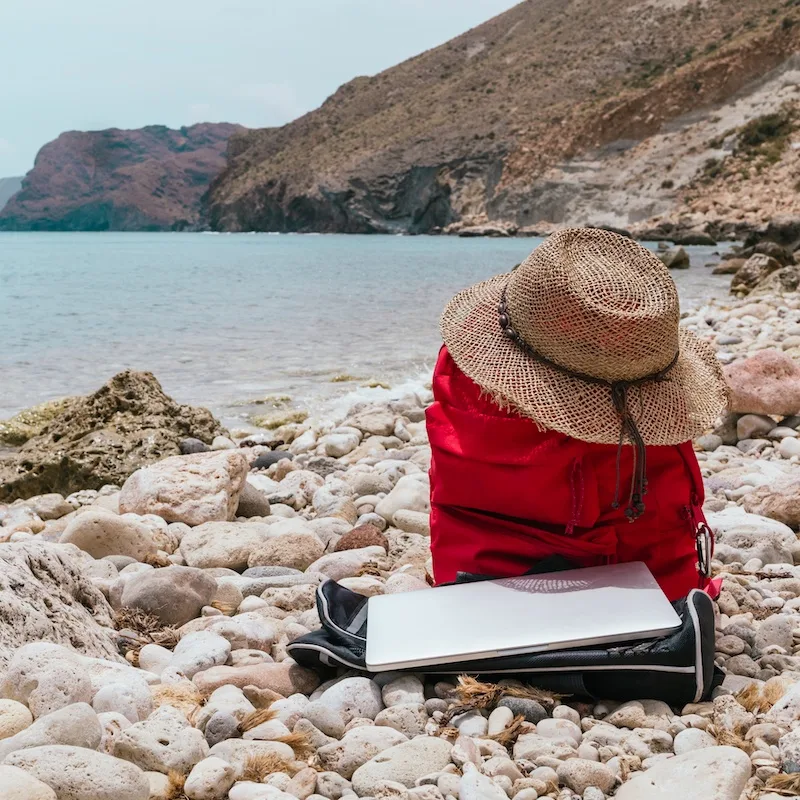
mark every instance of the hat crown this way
{"type": "Point", "coordinates": [596, 303]}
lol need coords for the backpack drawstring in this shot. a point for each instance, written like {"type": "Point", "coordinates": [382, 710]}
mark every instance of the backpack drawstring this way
{"type": "Point", "coordinates": [619, 397]}
{"type": "Point", "coordinates": [576, 495]}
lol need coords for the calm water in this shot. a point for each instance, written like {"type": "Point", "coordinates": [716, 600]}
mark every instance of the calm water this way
{"type": "Point", "coordinates": [223, 319]}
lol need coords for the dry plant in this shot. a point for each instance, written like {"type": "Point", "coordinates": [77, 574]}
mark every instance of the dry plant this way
{"type": "Point", "coordinates": [509, 735]}
{"type": "Point", "coordinates": [156, 560]}
{"type": "Point", "coordinates": [448, 733]}
{"type": "Point", "coordinates": [184, 696]}
{"type": "Point", "coordinates": [772, 692]}
{"type": "Point", "coordinates": [551, 787]}
{"type": "Point", "coordinates": [370, 569]}
{"type": "Point", "coordinates": [758, 699]}
{"type": "Point", "coordinates": [732, 738]}
{"type": "Point", "coordinates": [483, 695]}
{"type": "Point", "coordinates": [256, 718]}
{"type": "Point", "coordinates": [176, 784]}
{"type": "Point", "coordinates": [299, 742]}
{"type": "Point", "coordinates": [262, 765]}
{"type": "Point", "coordinates": [147, 625]}
{"type": "Point", "coordinates": [750, 698]}
{"type": "Point", "coordinates": [784, 785]}
{"type": "Point", "coordinates": [472, 694]}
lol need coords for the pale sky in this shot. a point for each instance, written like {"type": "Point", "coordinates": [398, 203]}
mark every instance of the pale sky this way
{"type": "Point", "coordinates": [92, 64]}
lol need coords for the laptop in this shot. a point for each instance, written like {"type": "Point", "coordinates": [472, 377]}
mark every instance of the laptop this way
{"type": "Point", "coordinates": [514, 616]}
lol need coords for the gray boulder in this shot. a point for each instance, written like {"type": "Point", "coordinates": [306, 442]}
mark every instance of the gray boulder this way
{"type": "Point", "coordinates": [175, 594]}
{"type": "Point", "coordinates": [44, 596]}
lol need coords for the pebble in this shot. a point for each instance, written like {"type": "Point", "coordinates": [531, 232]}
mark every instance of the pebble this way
{"type": "Point", "coordinates": [579, 774]}
{"type": "Point", "coordinates": [474, 786]}
{"type": "Point", "coordinates": [354, 697]}
{"type": "Point", "coordinates": [403, 690]}
{"type": "Point", "coordinates": [17, 784]}
{"type": "Point", "coordinates": [76, 725]}
{"type": "Point", "coordinates": [410, 719]}
{"type": "Point", "coordinates": [499, 720]}
{"type": "Point", "coordinates": [14, 717]}
{"type": "Point", "coordinates": [692, 739]}
{"type": "Point", "coordinates": [325, 718]}
{"type": "Point", "coordinates": [100, 533]}
{"type": "Point", "coordinates": [530, 710]}
{"type": "Point", "coordinates": [210, 779]}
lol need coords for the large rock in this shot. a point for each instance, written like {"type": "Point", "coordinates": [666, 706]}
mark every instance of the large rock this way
{"type": "Point", "coordinates": [404, 763]}
{"type": "Point", "coordinates": [712, 773]}
{"type": "Point", "coordinates": [410, 492]}
{"type": "Point", "coordinates": [782, 281]}
{"type": "Point", "coordinates": [354, 698]}
{"type": "Point", "coordinates": [101, 534]}
{"type": "Point", "coordinates": [766, 383]}
{"type": "Point", "coordinates": [75, 773]}
{"type": "Point", "coordinates": [223, 544]}
{"type": "Point", "coordinates": [296, 550]}
{"type": "Point", "coordinates": [194, 489]}
{"type": "Point", "coordinates": [165, 742]}
{"type": "Point", "coordinates": [675, 258]}
{"type": "Point", "coordinates": [357, 747]}
{"type": "Point", "coordinates": [286, 678]}
{"type": "Point", "coordinates": [756, 269]}
{"type": "Point", "coordinates": [175, 595]}
{"type": "Point", "coordinates": [103, 438]}
{"type": "Point", "coordinates": [44, 595]}
{"type": "Point", "coordinates": [112, 179]}
{"type": "Point", "coordinates": [779, 501]}
{"type": "Point", "coordinates": [75, 725]}
{"type": "Point", "coordinates": [19, 785]}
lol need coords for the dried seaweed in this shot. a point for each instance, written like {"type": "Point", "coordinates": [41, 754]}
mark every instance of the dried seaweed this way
{"type": "Point", "coordinates": [256, 718]}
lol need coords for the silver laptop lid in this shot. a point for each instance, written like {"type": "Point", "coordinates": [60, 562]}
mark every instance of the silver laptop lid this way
{"type": "Point", "coordinates": [574, 608]}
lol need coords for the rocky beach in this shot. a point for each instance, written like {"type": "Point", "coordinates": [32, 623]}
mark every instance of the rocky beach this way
{"type": "Point", "coordinates": [155, 566]}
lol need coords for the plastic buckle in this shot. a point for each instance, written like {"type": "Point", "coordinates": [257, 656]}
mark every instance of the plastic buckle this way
{"type": "Point", "coordinates": [704, 543]}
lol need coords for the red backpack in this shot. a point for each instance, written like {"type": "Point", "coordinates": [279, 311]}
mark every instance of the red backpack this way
{"type": "Point", "coordinates": [506, 494]}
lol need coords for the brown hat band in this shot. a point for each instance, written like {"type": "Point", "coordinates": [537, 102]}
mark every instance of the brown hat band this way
{"type": "Point", "coordinates": [619, 397]}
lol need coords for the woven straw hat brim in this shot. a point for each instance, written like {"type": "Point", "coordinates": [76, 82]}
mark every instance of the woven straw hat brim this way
{"type": "Point", "coordinates": [668, 412]}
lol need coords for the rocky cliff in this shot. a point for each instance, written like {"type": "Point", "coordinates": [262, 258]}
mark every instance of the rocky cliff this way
{"type": "Point", "coordinates": [551, 112]}
{"type": "Point", "coordinates": [8, 188]}
{"type": "Point", "coordinates": [150, 179]}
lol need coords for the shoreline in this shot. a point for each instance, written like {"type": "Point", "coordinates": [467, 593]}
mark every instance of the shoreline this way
{"type": "Point", "coordinates": [182, 586]}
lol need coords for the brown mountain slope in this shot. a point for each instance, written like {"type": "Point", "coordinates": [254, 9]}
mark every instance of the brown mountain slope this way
{"type": "Point", "coordinates": [151, 178]}
{"type": "Point", "coordinates": [468, 131]}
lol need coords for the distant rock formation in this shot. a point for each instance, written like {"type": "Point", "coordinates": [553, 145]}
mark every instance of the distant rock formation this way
{"type": "Point", "coordinates": [103, 438]}
{"type": "Point", "coordinates": [150, 179]}
{"type": "Point", "coordinates": [8, 188]}
{"type": "Point", "coordinates": [593, 111]}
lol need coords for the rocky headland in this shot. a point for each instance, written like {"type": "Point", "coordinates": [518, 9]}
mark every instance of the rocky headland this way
{"type": "Point", "coordinates": [150, 179]}
{"type": "Point", "coordinates": [632, 113]}
{"type": "Point", "coordinates": [145, 613]}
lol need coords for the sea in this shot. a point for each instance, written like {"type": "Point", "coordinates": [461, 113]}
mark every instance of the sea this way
{"type": "Point", "coordinates": [241, 323]}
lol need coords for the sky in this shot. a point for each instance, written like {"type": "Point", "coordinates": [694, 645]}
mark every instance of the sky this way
{"type": "Point", "coordinates": [93, 64]}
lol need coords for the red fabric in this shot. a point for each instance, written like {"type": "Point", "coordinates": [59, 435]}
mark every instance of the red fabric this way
{"type": "Point", "coordinates": [505, 494]}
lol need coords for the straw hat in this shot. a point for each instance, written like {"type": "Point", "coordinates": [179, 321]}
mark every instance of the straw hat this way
{"type": "Point", "coordinates": [583, 338]}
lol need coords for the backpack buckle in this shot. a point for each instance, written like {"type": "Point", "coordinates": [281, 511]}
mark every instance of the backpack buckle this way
{"type": "Point", "coordinates": [704, 542]}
